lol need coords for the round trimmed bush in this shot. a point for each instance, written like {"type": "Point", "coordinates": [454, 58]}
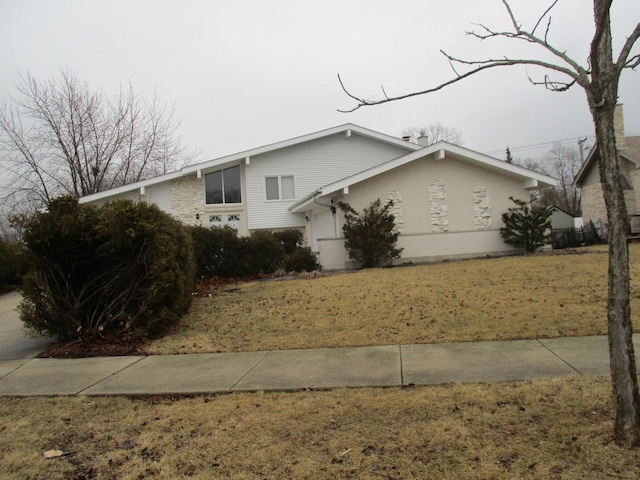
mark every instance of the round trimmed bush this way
{"type": "Point", "coordinates": [124, 267]}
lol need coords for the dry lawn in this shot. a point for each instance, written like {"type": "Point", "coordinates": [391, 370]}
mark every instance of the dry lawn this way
{"type": "Point", "coordinates": [555, 429]}
{"type": "Point", "coordinates": [540, 296]}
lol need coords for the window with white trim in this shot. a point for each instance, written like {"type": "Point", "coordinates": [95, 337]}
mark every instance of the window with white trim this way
{"type": "Point", "coordinates": [234, 221]}
{"type": "Point", "coordinates": [215, 220]}
{"type": "Point", "coordinates": [223, 186]}
{"type": "Point", "coordinates": [280, 187]}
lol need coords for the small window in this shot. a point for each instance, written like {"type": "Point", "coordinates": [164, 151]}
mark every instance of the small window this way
{"type": "Point", "coordinates": [280, 188]}
{"type": "Point", "coordinates": [234, 222]}
{"type": "Point", "coordinates": [215, 220]}
{"type": "Point", "coordinates": [223, 186]}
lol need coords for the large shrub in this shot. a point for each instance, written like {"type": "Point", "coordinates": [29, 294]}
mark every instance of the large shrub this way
{"type": "Point", "coordinates": [302, 259]}
{"type": "Point", "coordinates": [219, 252]}
{"type": "Point", "coordinates": [370, 236]}
{"type": "Point", "coordinates": [526, 227]}
{"type": "Point", "coordinates": [121, 268]}
{"type": "Point", "coordinates": [13, 264]}
{"type": "Point", "coordinates": [290, 239]}
{"type": "Point", "coordinates": [265, 253]}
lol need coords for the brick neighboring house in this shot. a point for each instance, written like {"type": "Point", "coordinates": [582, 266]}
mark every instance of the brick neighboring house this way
{"type": "Point", "coordinates": [588, 178]}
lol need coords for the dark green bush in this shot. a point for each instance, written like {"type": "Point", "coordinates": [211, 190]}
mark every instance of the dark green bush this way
{"type": "Point", "coordinates": [301, 260]}
{"type": "Point", "coordinates": [121, 268]}
{"type": "Point", "coordinates": [219, 252]}
{"type": "Point", "coordinates": [13, 264]}
{"type": "Point", "coordinates": [265, 253]}
{"type": "Point", "coordinates": [526, 226]}
{"type": "Point", "coordinates": [370, 236]}
{"type": "Point", "coordinates": [290, 239]}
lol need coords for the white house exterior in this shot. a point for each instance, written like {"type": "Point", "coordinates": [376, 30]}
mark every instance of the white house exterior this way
{"type": "Point", "coordinates": [448, 199]}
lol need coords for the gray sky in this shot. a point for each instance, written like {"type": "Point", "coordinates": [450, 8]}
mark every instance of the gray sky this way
{"type": "Point", "coordinates": [244, 73]}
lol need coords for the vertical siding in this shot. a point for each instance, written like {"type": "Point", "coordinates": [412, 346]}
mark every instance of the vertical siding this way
{"type": "Point", "coordinates": [313, 165]}
{"type": "Point", "coordinates": [160, 194]}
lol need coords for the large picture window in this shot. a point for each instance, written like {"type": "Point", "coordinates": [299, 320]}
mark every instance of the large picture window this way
{"type": "Point", "coordinates": [223, 186]}
{"type": "Point", "coordinates": [280, 188]}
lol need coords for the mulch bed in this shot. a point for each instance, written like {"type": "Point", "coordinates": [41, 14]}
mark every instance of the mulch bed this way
{"type": "Point", "coordinates": [79, 348]}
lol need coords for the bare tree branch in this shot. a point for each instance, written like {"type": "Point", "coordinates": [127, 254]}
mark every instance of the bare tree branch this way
{"type": "Point", "coordinates": [577, 73]}
{"type": "Point", "coordinates": [546, 12]}
{"type": "Point", "coordinates": [622, 61]}
{"type": "Point", "coordinates": [78, 142]}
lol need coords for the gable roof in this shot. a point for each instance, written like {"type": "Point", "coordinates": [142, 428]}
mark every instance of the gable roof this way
{"type": "Point", "coordinates": [631, 152]}
{"type": "Point", "coordinates": [347, 128]}
{"type": "Point", "coordinates": [441, 150]}
{"type": "Point", "coordinates": [558, 209]}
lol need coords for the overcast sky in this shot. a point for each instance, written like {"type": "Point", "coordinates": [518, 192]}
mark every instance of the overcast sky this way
{"type": "Point", "coordinates": [244, 73]}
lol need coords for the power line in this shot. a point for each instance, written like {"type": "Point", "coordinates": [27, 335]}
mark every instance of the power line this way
{"type": "Point", "coordinates": [537, 146]}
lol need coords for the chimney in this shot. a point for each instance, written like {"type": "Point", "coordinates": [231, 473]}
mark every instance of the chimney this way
{"type": "Point", "coordinates": [618, 126]}
{"type": "Point", "coordinates": [423, 140]}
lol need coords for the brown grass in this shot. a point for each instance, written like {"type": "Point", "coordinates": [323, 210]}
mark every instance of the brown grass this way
{"type": "Point", "coordinates": [542, 429]}
{"type": "Point", "coordinates": [550, 428]}
{"type": "Point", "coordinates": [540, 296]}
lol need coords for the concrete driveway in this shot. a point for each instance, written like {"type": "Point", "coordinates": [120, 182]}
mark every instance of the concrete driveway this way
{"type": "Point", "coordinates": [15, 346]}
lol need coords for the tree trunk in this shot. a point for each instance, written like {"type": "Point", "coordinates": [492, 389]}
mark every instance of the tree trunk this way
{"type": "Point", "coordinates": [621, 354]}
{"type": "Point", "coordinates": [602, 98]}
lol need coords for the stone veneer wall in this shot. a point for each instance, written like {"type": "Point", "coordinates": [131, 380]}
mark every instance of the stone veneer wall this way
{"type": "Point", "coordinates": [481, 208]}
{"type": "Point", "coordinates": [438, 207]}
{"type": "Point", "coordinates": [187, 199]}
{"type": "Point", "coordinates": [396, 210]}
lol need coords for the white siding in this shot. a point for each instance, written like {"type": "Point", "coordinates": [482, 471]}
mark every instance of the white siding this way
{"type": "Point", "coordinates": [160, 194]}
{"type": "Point", "coordinates": [560, 219]}
{"type": "Point", "coordinates": [593, 175]}
{"type": "Point", "coordinates": [313, 165]}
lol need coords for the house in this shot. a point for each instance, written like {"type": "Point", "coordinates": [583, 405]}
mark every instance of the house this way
{"type": "Point", "coordinates": [560, 219]}
{"type": "Point", "coordinates": [588, 178]}
{"type": "Point", "coordinates": [447, 199]}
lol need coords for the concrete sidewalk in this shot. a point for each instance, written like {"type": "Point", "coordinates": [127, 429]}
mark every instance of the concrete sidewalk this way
{"type": "Point", "coordinates": [378, 366]}
{"type": "Point", "coordinates": [301, 369]}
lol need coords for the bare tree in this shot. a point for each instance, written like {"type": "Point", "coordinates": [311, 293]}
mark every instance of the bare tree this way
{"type": "Point", "coordinates": [434, 133]}
{"type": "Point", "coordinates": [599, 79]}
{"type": "Point", "coordinates": [563, 163]}
{"type": "Point", "coordinates": [61, 137]}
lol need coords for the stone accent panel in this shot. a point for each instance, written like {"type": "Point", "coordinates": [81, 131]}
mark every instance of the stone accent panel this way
{"type": "Point", "coordinates": [187, 199]}
{"type": "Point", "coordinates": [438, 207]}
{"type": "Point", "coordinates": [396, 210]}
{"type": "Point", "coordinates": [481, 208]}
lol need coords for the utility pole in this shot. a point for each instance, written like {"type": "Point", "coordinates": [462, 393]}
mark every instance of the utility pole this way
{"type": "Point", "coordinates": [581, 149]}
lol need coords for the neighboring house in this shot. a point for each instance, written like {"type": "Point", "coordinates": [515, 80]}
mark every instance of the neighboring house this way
{"type": "Point", "coordinates": [561, 220]}
{"type": "Point", "coordinates": [588, 178]}
{"type": "Point", "coordinates": [448, 199]}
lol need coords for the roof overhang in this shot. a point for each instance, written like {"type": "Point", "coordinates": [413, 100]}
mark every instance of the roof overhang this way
{"type": "Point", "coordinates": [347, 129]}
{"type": "Point", "coordinates": [439, 152]}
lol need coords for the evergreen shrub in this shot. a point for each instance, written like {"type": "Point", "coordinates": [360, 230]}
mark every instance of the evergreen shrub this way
{"type": "Point", "coordinates": [525, 226]}
{"type": "Point", "coordinates": [123, 268]}
{"type": "Point", "coordinates": [13, 264]}
{"type": "Point", "coordinates": [219, 252]}
{"type": "Point", "coordinates": [370, 236]}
